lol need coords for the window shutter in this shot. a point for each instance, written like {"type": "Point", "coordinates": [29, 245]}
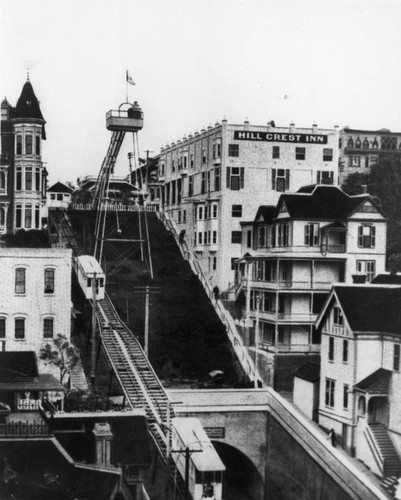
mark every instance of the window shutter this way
{"type": "Point", "coordinates": [273, 178]}
{"type": "Point", "coordinates": [318, 177]}
{"type": "Point", "coordinates": [373, 236]}
{"type": "Point", "coordinates": [360, 236]}
{"type": "Point", "coordinates": [228, 177]}
{"type": "Point", "coordinates": [242, 176]}
{"type": "Point", "coordinates": [287, 180]}
{"type": "Point", "coordinates": [307, 234]}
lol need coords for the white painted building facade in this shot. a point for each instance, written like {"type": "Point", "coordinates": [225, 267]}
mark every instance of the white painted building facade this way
{"type": "Point", "coordinates": [360, 376]}
{"type": "Point", "coordinates": [294, 252]}
{"type": "Point", "coordinates": [217, 178]}
{"type": "Point", "coordinates": [35, 297]}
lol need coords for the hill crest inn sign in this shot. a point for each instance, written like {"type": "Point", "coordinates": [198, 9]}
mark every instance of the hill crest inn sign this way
{"type": "Point", "coordinates": [280, 137]}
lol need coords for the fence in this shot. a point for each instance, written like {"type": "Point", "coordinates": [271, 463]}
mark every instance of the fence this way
{"type": "Point", "coordinates": [235, 338]}
{"type": "Point", "coordinates": [116, 207]}
{"type": "Point", "coordinates": [24, 430]}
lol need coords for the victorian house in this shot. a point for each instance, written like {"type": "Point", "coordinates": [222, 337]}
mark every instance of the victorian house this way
{"type": "Point", "coordinates": [22, 173]}
{"type": "Point", "coordinates": [292, 254]}
{"type": "Point", "coordinates": [360, 379]}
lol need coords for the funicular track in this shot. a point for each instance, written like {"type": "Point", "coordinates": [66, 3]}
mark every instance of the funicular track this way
{"type": "Point", "coordinates": [139, 382]}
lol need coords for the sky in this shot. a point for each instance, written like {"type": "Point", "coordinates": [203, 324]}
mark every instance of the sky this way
{"type": "Point", "coordinates": [195, 62]}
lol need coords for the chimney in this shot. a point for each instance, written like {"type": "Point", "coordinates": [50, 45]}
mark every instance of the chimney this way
{"type": "Point", "coordinates": [103, 437]}
{"type": "Point", "coordinates": [314, 128]}
{"type": "Point", "coordinates": [364, 189]}
{"type": "Point", "coordinates": [246, 124]}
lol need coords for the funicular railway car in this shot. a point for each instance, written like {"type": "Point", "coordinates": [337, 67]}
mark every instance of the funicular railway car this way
{"type": "Point", "coordinates": [90, 276]}
{"type": "Point", "coordinates": [205, 468]}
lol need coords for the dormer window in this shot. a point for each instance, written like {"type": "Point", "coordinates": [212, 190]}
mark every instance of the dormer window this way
{"type": "Point", "coordinates": [338, 318]}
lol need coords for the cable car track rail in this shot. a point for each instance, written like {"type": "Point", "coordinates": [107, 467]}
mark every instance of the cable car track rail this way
{"type": "Point", "coordinates": [139, 382]}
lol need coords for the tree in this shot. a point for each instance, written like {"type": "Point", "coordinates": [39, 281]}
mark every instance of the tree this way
{"type": "Point", "coordinates": [60, 354]}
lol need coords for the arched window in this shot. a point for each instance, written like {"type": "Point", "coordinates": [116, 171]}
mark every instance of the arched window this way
{"type": "Point", "coordinates": [375, 144]}
{"type": "Point", "coordinates": [18, 216]}
{"type": "Point", "coordinates": [37, 216]}
{"type": "Point", "coordinates": [2, 217]}
{"type": "Point", "coordinates": [366, 143]}
{"type": "Point", "coordinates": [3, 186]}
{"type": "Point", "coordinates": [18, 178]}
{"type": "Point", "coordinates": [18, 144]}
{"type": "Point", "coordinates": [358, 143]}
{"type": "Point", "coordinates": [37, 179]}
{"type": "Point", "coordinates": [362, 405]}
{"type": "Point", "coordinates": [28, 144]}
{"type": "Point", "coordinates": [28, 216]}
{"type": "Point", "coordinates": [28, 178]}
{"type": "Point", "coordinates": [350, 143]}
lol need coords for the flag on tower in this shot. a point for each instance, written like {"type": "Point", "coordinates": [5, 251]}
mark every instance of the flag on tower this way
{"type": "Point", "coordinates": [129, 78]}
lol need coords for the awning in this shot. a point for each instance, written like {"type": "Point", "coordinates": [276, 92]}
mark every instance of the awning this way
{"type": "Point", "coordinates": [377, 383]}
{"type": "Point", "coordinates": [44, 382]}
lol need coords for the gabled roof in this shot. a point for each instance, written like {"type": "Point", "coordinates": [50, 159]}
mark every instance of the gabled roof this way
{"type": "Point", "coordinates": [387, 279]}
{"type": "Point", "coordinates": [309, 372]}
{"type": "Point", "coordinates": [59, 187]}
{"type": "Point", "coordinates": [323, 202]}
{"type": "Point", "coordinates": [265, 211]}
{"type": "Point", "coordinates": [17, 366]}
{"type": "Point", "coordinates": [28, 104]}
{"type": "Point", "coordinates": [371, 308]}
{"type": "Point", "coordinates": [375, 383]}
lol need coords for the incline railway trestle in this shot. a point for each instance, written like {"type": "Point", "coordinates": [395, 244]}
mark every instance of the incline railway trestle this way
{"type": "Point", "coordinates": [139, 382]}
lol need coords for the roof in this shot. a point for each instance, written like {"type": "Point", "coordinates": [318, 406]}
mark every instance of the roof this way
{"type": "Point", "coordinates": [371, 308]}
{"type": "Point", "coordinates": [309, 372]}
{"type": "Point", "coordinates": [28, 104]}
{"type": "Point", "coordinates": [44, 382]}
{"type": "Point", "coordinates": [90, 264]}
{"type": "Point", "coordinates": [387, 279]}
{"type": "Point", "coordinates": [324, 202]}
{"type": "Point", "coordinates": [375, 383]}
{"type": "Point", "coordinates": [66, 480]}
{"type": "Point", "coordinates": [266, 211]}
{"type": "Point", "coordinates": [130, 443]}
{"type": "Point", "coordinates": [15, 366]}
{"type": "Point", "coordinates": [59, 187]}
{"type": "Point", "coordinates": [193, 435]}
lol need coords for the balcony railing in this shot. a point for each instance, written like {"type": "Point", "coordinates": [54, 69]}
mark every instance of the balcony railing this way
{"type": "Point", "coordinates": [282, 348]}
{"type": "Point", "coordinates": [333, 248]}
{"type": "Point", "coordinates": [28, 405]}
{"type": "Point", "coordinates": [287, 317]}
{"type": "Point", "coordinates": [24, 430]}
{"type": "Point", "coordinates": [290, 284]}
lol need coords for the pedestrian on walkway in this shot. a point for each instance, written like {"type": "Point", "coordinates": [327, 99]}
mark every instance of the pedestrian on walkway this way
{"type": "Point", "coordinates": [333, 438]}
{"type": "Point", "coordinates": [216, 292]}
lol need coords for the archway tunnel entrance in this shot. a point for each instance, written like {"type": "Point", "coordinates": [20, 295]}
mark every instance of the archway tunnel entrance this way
{"type": "Point", "coordinates": [242, 480]}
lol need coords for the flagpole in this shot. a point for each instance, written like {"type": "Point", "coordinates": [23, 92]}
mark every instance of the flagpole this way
{"type": "Point", "coordinates": [126, 86]}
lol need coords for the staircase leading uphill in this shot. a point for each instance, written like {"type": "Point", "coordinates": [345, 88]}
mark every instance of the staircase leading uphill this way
{"type": "Point", "coordinates": [390, 461]}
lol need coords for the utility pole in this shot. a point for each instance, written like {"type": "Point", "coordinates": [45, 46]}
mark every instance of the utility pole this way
{"type": "Point", "coordinates": [187, 452]}
{"type": "Point", "coordinates": [257, 338]}
{"type": "Point", "coordinates": [147, 290]}
{"type": "Point", "coordinates": [93, 347]}
{"type": "Point", "coordinates": [147, 168]}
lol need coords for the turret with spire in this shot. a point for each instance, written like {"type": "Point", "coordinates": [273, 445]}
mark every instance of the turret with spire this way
{"type": "Point", "coordinates": [22, 174]}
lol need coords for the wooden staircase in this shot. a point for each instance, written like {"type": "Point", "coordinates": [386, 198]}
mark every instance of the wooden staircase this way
{"type": "Point", "coordinates": [391, 463]}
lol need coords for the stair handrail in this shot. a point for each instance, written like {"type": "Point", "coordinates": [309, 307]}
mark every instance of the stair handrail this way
{"type": "Point", "coordinates": [376, 452]}
{"type": "Point", "coordinates": [225, 316]}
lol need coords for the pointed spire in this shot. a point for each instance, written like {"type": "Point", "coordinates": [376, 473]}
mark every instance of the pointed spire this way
{"type": "Point", "coordinates": [27, 74]}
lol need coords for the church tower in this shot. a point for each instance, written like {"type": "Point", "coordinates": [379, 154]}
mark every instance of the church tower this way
{"type": "Point", "coordinates": [23, 201]}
